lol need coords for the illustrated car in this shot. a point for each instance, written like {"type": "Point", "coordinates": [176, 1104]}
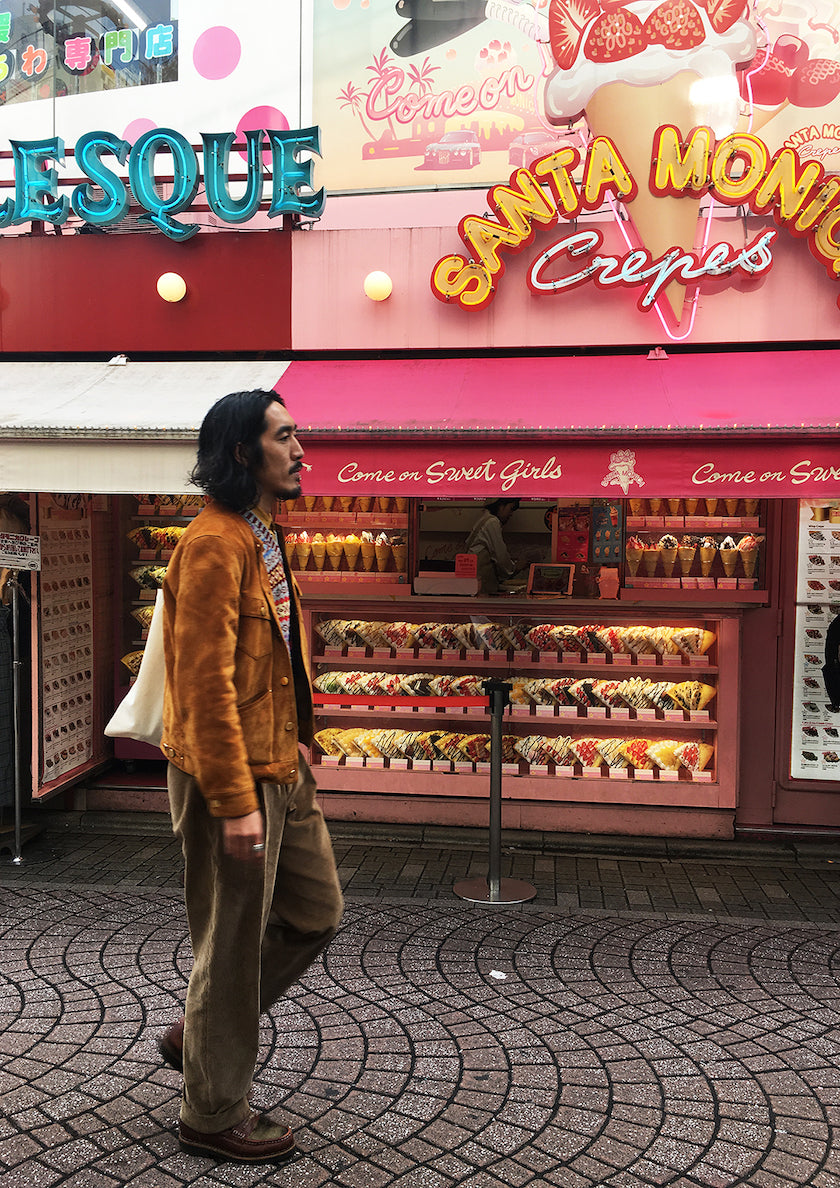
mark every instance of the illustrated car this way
{"type": "Point", "coordinates": [458, 150]}
{"type": "Point", "coordinates": [528, 147]}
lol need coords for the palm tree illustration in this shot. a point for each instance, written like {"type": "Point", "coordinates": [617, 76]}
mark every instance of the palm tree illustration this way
{"type": "Point", "coordinates": [352, 97]}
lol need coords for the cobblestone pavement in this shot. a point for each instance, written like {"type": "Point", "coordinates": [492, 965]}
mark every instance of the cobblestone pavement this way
{"type": "Point", "coordinates": [646, 1020]}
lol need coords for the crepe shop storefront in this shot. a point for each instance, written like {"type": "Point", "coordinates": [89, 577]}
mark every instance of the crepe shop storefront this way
{"type": "Point", "coordinates": [663, 638]}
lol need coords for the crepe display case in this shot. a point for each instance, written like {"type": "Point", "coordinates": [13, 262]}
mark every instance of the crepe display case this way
{"type": "Point", "coordinates": [347, 540]}
{"type": "Point", "coordinates": [619, 709]}
{"type": "Point", "coordinates": [150, 527]}
{"type": "Point", "coordinates": [715, 547]}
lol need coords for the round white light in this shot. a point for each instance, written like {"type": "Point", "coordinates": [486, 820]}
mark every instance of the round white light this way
{"type": "Point", "coordinates": [378, 286]}
{"type": "Point", "coordinates": [171, 287]}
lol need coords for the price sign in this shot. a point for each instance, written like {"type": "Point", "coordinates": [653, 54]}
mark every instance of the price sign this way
{"type": "Point", "coordinates": [20, 552]}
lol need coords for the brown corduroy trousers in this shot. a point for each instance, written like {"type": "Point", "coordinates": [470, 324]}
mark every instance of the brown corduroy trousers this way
{"type": "Point", "coordinates": [254, 928]}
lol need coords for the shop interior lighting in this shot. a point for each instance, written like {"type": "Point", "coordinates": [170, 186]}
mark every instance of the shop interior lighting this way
{"type": "Point", "coordinates": [131, 13]}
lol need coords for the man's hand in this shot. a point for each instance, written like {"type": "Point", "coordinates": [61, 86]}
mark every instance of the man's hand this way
{"type": "Point", "coordinates": [242, 834]}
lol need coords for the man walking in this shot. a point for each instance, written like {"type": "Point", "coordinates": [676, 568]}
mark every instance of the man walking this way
{"type": "Point", "coordinates": [261, 889]}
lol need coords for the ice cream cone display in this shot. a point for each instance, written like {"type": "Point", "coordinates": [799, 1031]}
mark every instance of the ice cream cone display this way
{"type": "Point", "coordinates": [401, 503]}
{"type": "Point", "coordinates": [383, 503]}
{"type": "Point", "coordinates": [748, 548]}
{"type": "Point", "coordinates": [729, 556]}
{"type": "Point", "coordinates": [750, 506]}
{"type": "Point", "coordinates": [637, 507]}
{"type": "Point", "coordinates": [633, 550]}
{"type": "Point", "coordinates": [327, 501]}
{"type": "Point", "coordinates": [686, 553]}
{"type": "Point", "coordinates": [731, 506]}
{"type": "Point", "coordinates": [364, 502]}
{"type": "Point", "coordinates": [319, 550]}
{"type": "Point", "coordinates": [668, 547]}
{"type": "Point", "coordinates": [345, 503]}
{"type": "Point", "coordinates": [708, 552]}
{"type": "Point", "coordinates": [711, 506]}
{"type": "Point", "coordinates": [290, 539]}
{"type": "Point", "coordinates": [309, 502]}
{"type": "Point", "coordinates": [691, 506]}
{"type": "Point", "coordinates": [335, 550]}
{"type": "Point", "coordinates": [650, 559]}
{"type": "Point", "coordinates": [303, 549]}
{"type": "Point", "coordinates": [674, 506]}
{"type": "Point", "coordinates": [368, 550]}
{"type": "Point", "coordinates": [352, 547]}
{"type": "Point", "coordinates": [382, 548]}
{"type": "Point", "coordinates": [655, 507]}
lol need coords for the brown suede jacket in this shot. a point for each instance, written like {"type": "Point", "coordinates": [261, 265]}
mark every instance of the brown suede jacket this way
{"type": "Point", "coordinates": [237, 703]}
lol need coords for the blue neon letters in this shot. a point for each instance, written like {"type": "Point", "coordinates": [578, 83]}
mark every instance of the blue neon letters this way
{"type": "Point", "coordinates": [36, 183]}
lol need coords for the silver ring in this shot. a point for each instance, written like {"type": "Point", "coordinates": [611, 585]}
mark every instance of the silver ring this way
{"type": "Point", "coordinates": [258, 846]}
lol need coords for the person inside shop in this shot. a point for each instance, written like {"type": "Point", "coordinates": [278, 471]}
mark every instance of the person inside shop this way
{"type": "Point", "coordinates": [486, 540]}
{"type": "Point", "coordinates": [261, 889]}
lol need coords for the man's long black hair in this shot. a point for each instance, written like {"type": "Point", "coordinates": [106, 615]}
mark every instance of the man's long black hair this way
{"type": "Point", "coordinates": [235, 420]}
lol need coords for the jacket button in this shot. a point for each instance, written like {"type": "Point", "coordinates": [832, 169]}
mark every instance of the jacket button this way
{"type": "Point", "coordinates": [293, 774]}
{"type": "Point", "coordinates": [284, 680]}
{"type": "Point", "coordinates": [290, 726]}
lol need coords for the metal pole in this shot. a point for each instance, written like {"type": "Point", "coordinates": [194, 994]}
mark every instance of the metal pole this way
{"type": "Point", "coordinates": [16, 665]}
{"type": "Point", "coordinates": [495, 889]}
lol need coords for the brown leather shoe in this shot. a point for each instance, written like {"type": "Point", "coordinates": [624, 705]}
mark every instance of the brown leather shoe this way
{"type": "Point", "coordinates": [254, 1140]}
{"type": "Point", "coordinates": [171, 1045]}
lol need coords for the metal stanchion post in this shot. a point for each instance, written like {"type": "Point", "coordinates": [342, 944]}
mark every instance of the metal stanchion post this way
{"type": "Point", "coordinates": [16, 666]}
{"type": "Point", "coordinates": [495, 889]}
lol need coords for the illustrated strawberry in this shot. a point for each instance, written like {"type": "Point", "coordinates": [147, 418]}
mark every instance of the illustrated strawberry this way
{"type": "Point", "coordinates": [566, 21]}
{"type": "Point", "coordinates": [815, 84]}
{"type": "Point", "coordinates": [615, 36]}
{"type": "Point", "coordinates": [723, 13]}
{"type": "Point", "coordinates": [769, 85]}
{"type": "Point", "coordinates": [676, 24]}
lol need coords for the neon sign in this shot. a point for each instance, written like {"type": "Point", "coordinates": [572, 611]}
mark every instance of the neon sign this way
{"type": "Point", "coordinates": [102, 199]}
{"type": "Point", "coordinates": [737, 170]}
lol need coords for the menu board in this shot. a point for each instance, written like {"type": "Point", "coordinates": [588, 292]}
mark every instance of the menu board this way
{"type": "Point", "coordinates": [66, 645]}
{"type": "Point", "coordinates": [815, 736]}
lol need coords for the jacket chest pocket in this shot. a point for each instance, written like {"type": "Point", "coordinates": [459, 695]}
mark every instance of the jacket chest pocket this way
{"type": "Point", "coordinates": [255, 632]}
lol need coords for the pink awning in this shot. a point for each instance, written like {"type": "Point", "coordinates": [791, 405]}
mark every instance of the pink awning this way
{"type": "Point", "coordinates": [789, 393]}
{"type": "Point", "coordinates": [763, 424]}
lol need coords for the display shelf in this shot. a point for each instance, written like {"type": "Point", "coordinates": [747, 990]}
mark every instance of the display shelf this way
{"type": "Point", "coordinates": [568, 780]}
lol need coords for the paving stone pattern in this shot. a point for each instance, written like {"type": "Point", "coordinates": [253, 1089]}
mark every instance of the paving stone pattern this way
{"type": "Point", "coordinates": [644, 1021]}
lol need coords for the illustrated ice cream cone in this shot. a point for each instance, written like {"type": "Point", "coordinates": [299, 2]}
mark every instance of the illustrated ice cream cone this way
{"type": "Point", "coordinates": [711, 506]}
{"type": "Point", "coordinates": [629, 116]}
{"type": "Point", "coordinates": [691, 506]}
{"type": "Point", "coordinates": [335, 550]}
{"type": "Point", "coordinates": [686, 554]}
{"type": "Point", "coordinates": [303, 547]}
{"type": "Point", "coordinates": [731, 506]}
{"type": "Point", "coordinates": [319, 550]}
{"type": "Point", "coordinates": [707, 558]}
{"type": "Point", "coordinates": [365, 502]}
{"type": "Point", "coordinates": [382, 547]}
{"type": "Point", "coordinates": [368, 551]}
{"type": "Point", "coordinates": [352, 547]}
{"type": "Point", "coordinates": [650, 560]}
